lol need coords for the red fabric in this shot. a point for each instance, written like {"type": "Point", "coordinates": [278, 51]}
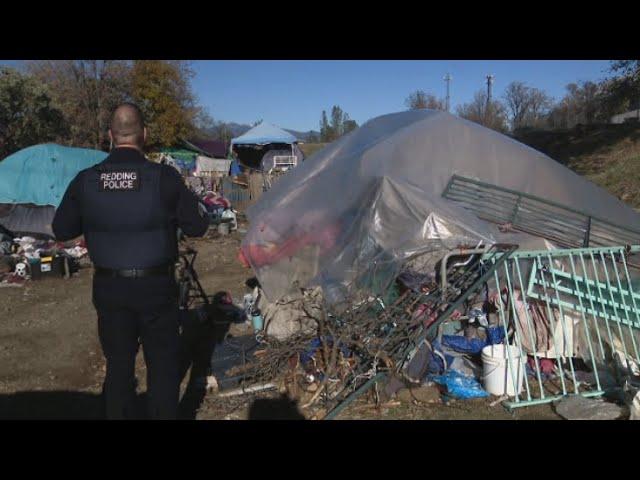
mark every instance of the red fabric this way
{"type": "Point", "coordinates": [213, 200]}
{"type": "Point", "coordinates": [547, 365]}
{"type": "Point", "coordinates": [260, 255]}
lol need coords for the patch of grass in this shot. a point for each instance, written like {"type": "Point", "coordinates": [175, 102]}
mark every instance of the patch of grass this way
{"type": "Point", "coordinates": [622, 179]}
{"type": "Point", "coordinates": [608, 155]}
{"type": "Point", "coordinates": [310, 148]}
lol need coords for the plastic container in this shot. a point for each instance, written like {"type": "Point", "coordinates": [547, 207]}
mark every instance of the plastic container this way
{"type": "Point", "coordinates": [497, 377]}
{"type": "Point", "coordinates": [230, 214]}
{"type": "Point", "coordinates": [223, 229]}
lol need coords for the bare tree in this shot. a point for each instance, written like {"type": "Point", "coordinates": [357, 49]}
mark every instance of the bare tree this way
{"type": "Point", "coordinates": [421, 100]}
{"type": "Point", "coordinates": [539, 106]}
{"type": "Point", "coordinates": [526, 106]}
{"type": "Point", "coordinates": [86, 91]}
{"type": "Point", "coordinates": [493, 117]}
{"type": "Point", "coordinates": [517, 99]}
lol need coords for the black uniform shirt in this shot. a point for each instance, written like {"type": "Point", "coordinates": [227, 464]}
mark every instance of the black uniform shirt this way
{"type": "Point", "coordinates": [182, 205]}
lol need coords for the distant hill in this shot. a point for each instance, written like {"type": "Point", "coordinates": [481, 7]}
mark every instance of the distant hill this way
{"type": "Point", "coordinates": [238, 129]}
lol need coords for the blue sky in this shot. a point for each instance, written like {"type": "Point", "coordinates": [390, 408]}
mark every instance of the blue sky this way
{"type": "Point", "coordinates": [293, 94]}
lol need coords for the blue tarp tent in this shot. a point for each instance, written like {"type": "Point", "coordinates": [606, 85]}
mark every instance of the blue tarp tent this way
{"type": "Point", "coordinates": [40, 174]}
{"type": "Point", "coordinates": [264, 134]}
{"type": "Point", "coordinates": [33, 182]}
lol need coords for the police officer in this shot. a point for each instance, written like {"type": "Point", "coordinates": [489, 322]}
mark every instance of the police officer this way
{"type": "Point", "coordinates": [129, 210]}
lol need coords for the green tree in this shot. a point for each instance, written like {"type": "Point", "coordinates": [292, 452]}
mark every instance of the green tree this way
{"type": "Point", "coordinates": [162, 90]}
{"type": "Point", "coordinates": [337, 121]}
{"type": "Point", "coordinates": [326, 132]}
{"type": "Point", "coordinates": [626, 80]}
{"type": "Point", "coordinates": [339, 125]}
{"type": "Point", "coordinates": [27, 114]}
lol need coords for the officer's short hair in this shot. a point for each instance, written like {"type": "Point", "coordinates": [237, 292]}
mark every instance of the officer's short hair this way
{"type": "Point", "coordinates": [127, 125]}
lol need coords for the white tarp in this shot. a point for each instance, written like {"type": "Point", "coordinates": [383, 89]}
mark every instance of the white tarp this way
{"type": "Point", "coordinates": [375, 197]}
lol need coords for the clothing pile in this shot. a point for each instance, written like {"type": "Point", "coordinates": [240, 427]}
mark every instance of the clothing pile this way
{"type": "Point", "coordinates": [220, 210]}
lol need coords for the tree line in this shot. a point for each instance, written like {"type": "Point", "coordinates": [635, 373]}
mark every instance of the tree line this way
{"type": "Point", "coordinates": [333, 128]}
{"type": "Point", "coordinates": [523, 106]}
{"type": "Point", "coordinates": [70, 102]}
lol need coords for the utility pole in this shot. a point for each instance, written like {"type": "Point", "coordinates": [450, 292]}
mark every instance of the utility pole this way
{"type": "Point", "coordinates": [489, 87]}
{"type": "Point", "coordinates": [447, 79]}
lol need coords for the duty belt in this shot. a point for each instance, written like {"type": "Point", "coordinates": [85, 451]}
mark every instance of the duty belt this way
{"type": "Point", "coordinates": [135, 272]}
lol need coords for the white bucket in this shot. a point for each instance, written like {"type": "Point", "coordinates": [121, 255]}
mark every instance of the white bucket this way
{"type": "Point", "coordinates": [497, 379]}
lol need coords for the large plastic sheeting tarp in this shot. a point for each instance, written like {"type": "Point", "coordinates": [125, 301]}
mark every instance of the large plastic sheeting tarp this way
{"type": "Point", "coordinates": [264, 134]}
{"type": "Point", "coordinates": [373, 199]}
{"type": "Point", "coordinates": [40, 174]}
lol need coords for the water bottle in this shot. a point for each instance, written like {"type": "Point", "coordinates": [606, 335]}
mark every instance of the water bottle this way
{"type": "Point", "coordinates": [256, 319]}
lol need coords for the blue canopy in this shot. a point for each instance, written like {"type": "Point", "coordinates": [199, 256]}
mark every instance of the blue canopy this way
{"type": "Point", "coordinates": [264, 134]}
{"type": "Point", "coordinates": [41, 174]}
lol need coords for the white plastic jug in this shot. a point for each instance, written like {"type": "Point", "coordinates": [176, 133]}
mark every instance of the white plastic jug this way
{"type": "Point", "coordinates": [229, 213]}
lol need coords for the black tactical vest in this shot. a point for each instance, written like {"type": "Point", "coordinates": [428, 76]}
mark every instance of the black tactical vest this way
{"type": "Point", "coordinates": [125, 223]}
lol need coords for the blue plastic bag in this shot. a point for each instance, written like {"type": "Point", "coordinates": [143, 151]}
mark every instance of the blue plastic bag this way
{"type": "Point", "coordinates": [458, 385]}
{"type": "Point", "coordinates": [461, 344]}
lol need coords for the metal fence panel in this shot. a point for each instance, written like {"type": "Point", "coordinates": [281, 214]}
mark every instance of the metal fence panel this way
{"type": "Point", "coordinates": [566, 226]}
{"type": "Point", "coordinates": [586, 303]}
{"type": "Point", "coordinates": [238, 196]}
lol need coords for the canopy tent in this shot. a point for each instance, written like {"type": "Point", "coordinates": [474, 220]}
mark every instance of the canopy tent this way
{"type": "Point", "coordinates": [33, 182]}
{"type": "Point", "coordinates": [374, 198]}
{"type": "Point", "coordinates": [264, 134]}
{"type": "Point", "coordinates": [257, 148]}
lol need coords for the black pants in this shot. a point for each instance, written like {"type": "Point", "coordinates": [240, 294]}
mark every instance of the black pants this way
{"type": "Point", "coordinates": [120, 329]}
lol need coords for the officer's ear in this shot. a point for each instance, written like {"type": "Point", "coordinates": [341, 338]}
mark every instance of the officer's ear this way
{"type": "Point", "coordinates": [144, 134]}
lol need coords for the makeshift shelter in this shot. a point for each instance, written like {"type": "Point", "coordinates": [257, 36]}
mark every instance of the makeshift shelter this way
{"type": "Point", "coordinates": [266, 147]}
{"type": "Point", "coordinates": [391, 190]}
{"type": "Point", "coordinates": [199, 158]}
{"type": "Point", "coordinates": [184, 159]}
{"type": "Point", "coordinates": [212, 167]}
{"type": "Point", "coordinates": [33, 182]}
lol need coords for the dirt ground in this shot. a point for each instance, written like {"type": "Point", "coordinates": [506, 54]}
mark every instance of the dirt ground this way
{"type": "Point", "coordinates": [51, 364]}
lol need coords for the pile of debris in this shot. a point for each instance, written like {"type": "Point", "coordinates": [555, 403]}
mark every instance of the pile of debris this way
{"type": "Point", "coordinates": [470, 326]}
{"type": "Point", "coordinates": [24, 258]}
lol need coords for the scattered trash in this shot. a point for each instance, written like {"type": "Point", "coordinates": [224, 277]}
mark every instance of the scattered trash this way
{"type": "Point", "coordinates": [577, 407]}
{"type": "Point", "coordinates": [27, 258]}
